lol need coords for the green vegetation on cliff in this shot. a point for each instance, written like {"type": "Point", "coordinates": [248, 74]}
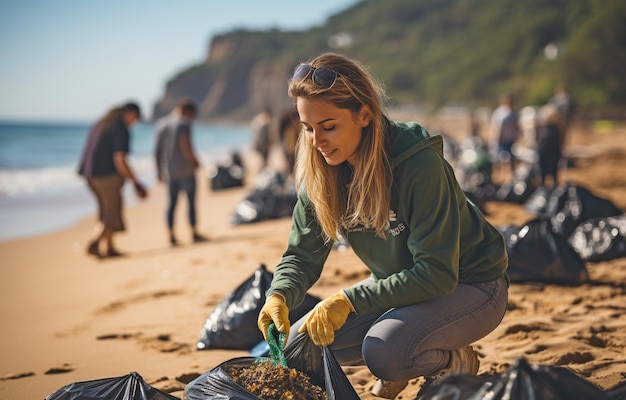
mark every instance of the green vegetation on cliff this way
{"type": "Point", "coordinates": [435, 52]}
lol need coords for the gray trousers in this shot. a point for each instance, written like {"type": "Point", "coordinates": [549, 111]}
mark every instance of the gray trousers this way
{"type": "Point", "coordinates": [406, 342]}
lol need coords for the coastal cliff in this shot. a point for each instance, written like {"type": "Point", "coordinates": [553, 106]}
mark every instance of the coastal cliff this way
{"type": "Point", "coordinates": [428, 54]}
{"type": "Point", "coordinates": [232, 84]}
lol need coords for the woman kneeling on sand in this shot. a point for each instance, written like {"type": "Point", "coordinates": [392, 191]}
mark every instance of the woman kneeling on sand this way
{"type": "Point", "coordinates": [438, 269]}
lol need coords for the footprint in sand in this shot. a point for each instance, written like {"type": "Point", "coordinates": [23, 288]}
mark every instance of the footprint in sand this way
{"type": "Point", "coordinates": [574, 358]}
{"type": "Point", "coordinates": [594, 340]}
{"type": "Point", "coordinates": [59, 370]}
{"type": "Point", "coordinates": [116, 336]}
{"type": "Point", "coordinates": [18, 375]}
{"type": "Point", "coordinates": [531, 327]}
{"type": "Point", "coordinates": [188, 377]}
{"type": "Point", "coordinates": [139, 298]}
{"type": "Point", "coordinates": [537, 349]}
{"type": "Point", "coordinates": [166, 385]}
{"type": "Point", "coordinates": [164, 344]}
{"type": "Point", "coordinates": [160, 342]}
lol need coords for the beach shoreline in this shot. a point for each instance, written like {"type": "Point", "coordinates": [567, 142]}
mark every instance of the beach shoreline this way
{"type": "Point", "coordinates": [69, 317]}
{"type": "Point", "coordinates": [40, 189]}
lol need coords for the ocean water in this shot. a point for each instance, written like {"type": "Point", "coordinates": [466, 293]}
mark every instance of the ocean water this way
{"type": "Point", "coordinates": [40, 190]}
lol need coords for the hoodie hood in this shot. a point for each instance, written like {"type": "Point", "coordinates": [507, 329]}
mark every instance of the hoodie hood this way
{"type": "Point", "coordinates": [411, 137]}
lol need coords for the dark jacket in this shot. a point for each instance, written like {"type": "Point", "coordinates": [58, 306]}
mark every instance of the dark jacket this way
{"type": "Point", "coordinates": [104, 140]}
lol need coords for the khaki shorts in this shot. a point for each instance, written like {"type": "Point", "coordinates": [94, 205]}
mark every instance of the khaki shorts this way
{"type": "Point", "coordinates": [108, 192]}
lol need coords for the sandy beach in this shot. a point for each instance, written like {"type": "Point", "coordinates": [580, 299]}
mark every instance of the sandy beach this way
{"type": "Point", "coordinates": [68, 317]}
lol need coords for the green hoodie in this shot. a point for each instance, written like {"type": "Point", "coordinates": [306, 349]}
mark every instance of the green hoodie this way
{"type": "Point", "coordinates": [436, 237]}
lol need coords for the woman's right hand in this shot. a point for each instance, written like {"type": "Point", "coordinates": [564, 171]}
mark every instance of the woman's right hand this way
{"type": "Point", "coordinates": [275, 311]}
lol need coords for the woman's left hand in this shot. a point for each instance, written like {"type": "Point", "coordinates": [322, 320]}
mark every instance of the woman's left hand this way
{"type": "Point", "coordinates": [327, 316]}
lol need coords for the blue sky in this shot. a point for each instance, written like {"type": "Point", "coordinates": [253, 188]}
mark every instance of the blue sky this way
{"type": "Point", "coordinates": [73, 59]}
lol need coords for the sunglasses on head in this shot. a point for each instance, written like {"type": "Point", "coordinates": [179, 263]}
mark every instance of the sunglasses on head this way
{"type": "Point", "coordinates": [322, 76]}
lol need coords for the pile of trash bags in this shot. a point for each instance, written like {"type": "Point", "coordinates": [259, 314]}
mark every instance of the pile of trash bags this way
{"type": "Point", "coordinates": [538, 254]}
{"type": "Point", "coordinates": [521, 381]}
{"type": "Point", "coordinates": [273, 196]}
{"type": "Point", "coordinates": [571, 226]}
{"type": "Point", "coordinates": [227, 173]}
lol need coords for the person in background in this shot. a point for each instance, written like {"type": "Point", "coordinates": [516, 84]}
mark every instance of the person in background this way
{"type": "Point", "coordinates": [438, 268]}
{"type": "Point", "coordinates": [504, 132]}
{"type": "Point", "coordinates": [105, 167]}
{"type": "Point", "coordinates": [261, 124]}
{"type": "Point", "coordinates": [177, 163]}
{"type": "Point", "coordinates": [565, 106]}
{"type": "Point", "coordinates": [289, 129]}
{"type": "Point", "coordinates": [550, 139]}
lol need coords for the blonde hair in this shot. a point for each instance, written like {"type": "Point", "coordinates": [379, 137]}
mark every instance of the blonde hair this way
{"type": "Point", "coordinates": [346, 196]}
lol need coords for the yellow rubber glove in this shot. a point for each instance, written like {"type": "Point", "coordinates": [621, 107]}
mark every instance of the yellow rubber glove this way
{"type": "Point", "coordinates": [274, 310]}
{"type": "Point", "coordinates": [327, 316]}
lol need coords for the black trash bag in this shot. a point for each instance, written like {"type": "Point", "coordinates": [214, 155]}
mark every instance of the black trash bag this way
{"type": "Point", "coordinates": [217, 384]}
{"type": "Point", "coordinates": [473, 168]}
{"type": "Point", "coordinates": [273, 197]}
{"type": "Point", "coordinates": [519, 187]}
{"type": "Point", "coordinates": [538, 254]}
{"type": "Point", "coordinates": [301, 354]}
{"type": "Point", "coordinates": [617, 392]}
{"type": "Point", "coordinates": [537, 203]}
{"type": "Point", "coordinates": [473, 165]}
{"type": "Point", "coordinates": [570, 205]}
{"type": "Point", "coordinates": [127, 387]}
{"type": "Point", "coordinates": [337, 385]}
{"type": "Point", "coordinates": [600, 239]}
{"type": "Point", "coordinates": [227, 174]}
{"type": "Point", "coordinates": [521, 381]}
{"type": "Point", "coordinates": [233, 322]}
{"type": "Point", "coordinates": [321, 366]}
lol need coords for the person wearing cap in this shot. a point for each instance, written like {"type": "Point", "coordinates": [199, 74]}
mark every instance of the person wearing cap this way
{"type": "Point", "coordinates": [105, 167]}
{"type": "Point", "coordinates": [438, 279]}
